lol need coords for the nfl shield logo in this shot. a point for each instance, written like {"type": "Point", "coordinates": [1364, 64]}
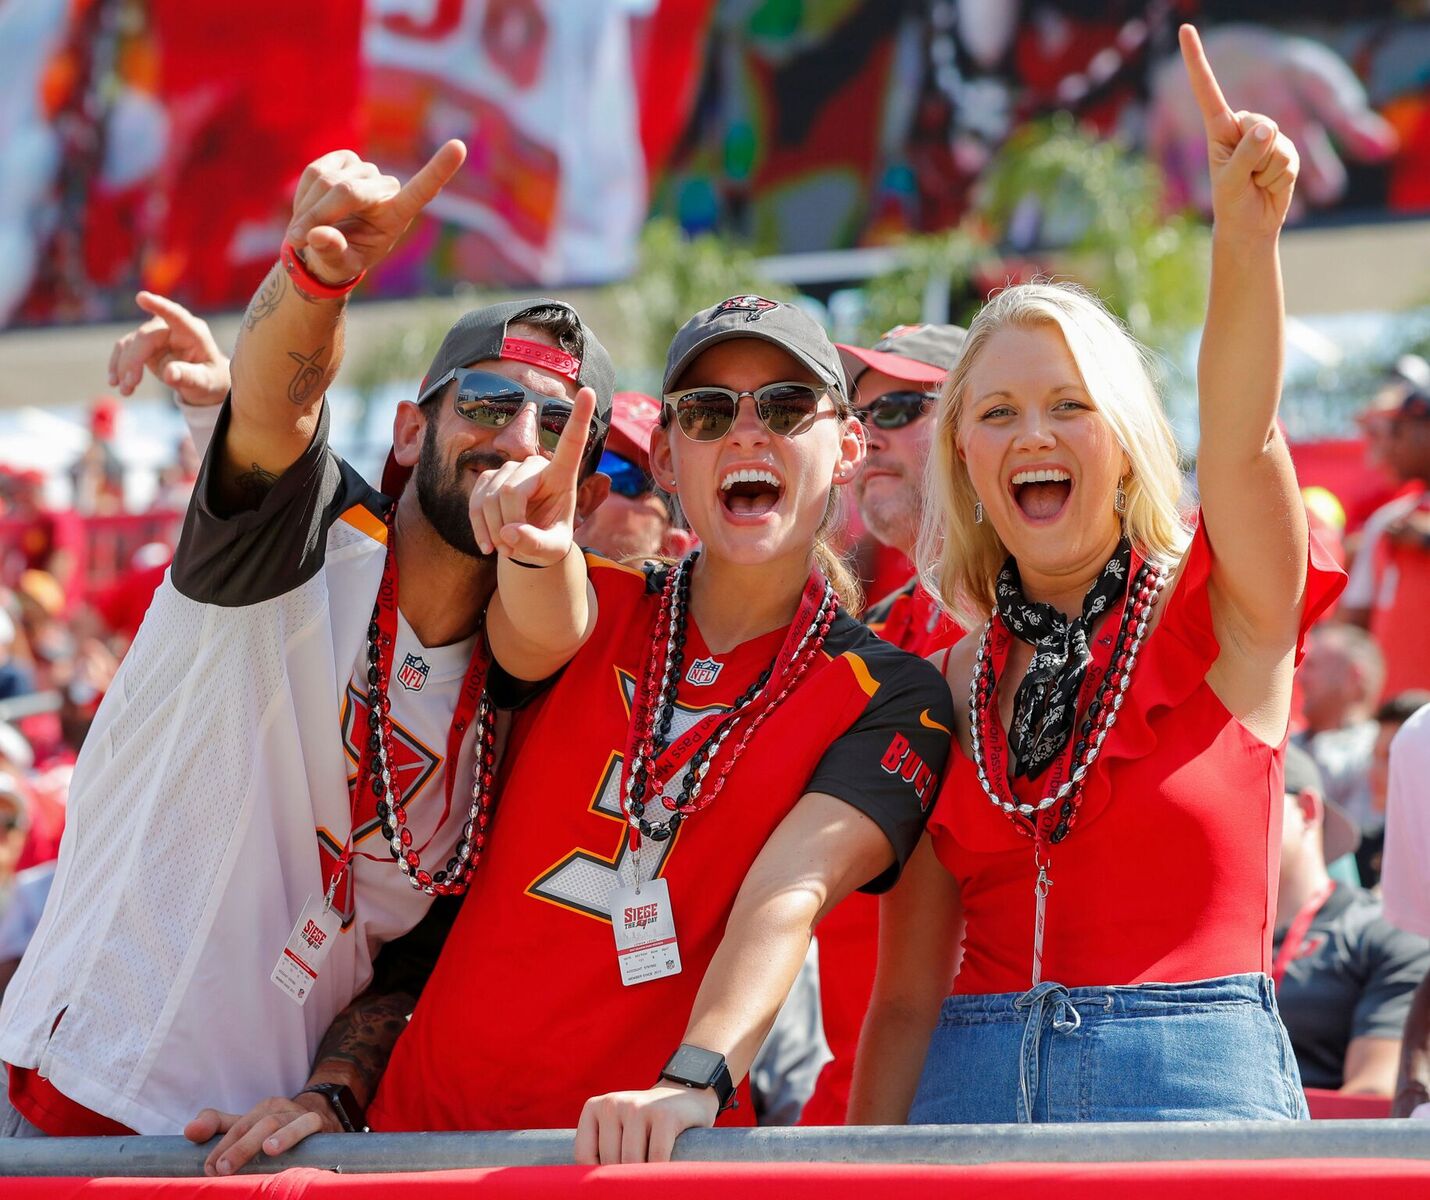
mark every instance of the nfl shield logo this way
{"type": "Point", "coordinates": [704, 671]}
{"type": "Point", "coordinates": [413, 673]}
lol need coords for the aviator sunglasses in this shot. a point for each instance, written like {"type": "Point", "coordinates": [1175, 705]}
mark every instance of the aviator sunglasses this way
{"type": "Point", "coordinates": [894, 410]}
{"type": "Point", "coordinates": [705, 414]}
{"type": "Point", "coordinates": [492, 401]}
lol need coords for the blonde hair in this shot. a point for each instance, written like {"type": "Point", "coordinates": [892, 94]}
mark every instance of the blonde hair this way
{"type": "Point", "coordinates": [959, 559]}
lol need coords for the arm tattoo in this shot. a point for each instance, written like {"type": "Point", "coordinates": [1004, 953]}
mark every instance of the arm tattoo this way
{"type": "Point", "coordinates": [362, 1037]}
{"type": "Point", "coordinates": [253, 485]}
{"type": "Point", "coordinates": [308, 378]}
{"type": "Point", "coordinates": [267, 299]}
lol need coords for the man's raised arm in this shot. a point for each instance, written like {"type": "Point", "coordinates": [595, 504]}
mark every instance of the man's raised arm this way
{"type": "Point", "coordinates": [347, 216]}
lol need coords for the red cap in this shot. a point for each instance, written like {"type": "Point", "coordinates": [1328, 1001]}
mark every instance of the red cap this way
{"type": "Point", "coordinates": [634, 417]}
{"type": "Point", "coordinates": [103, 417]}
{"type": "Point", "coordinates": [921, 354]}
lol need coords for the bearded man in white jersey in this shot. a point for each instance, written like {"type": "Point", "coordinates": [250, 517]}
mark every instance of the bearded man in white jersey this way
{"type": "Point", "coordinates": [297, 753]}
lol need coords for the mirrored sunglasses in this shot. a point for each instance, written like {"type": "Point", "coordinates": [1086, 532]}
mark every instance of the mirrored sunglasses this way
{"type": "Point", "coordinates": [894, 410]}
{"type": "Point", "coordinates": [627, 479]}
{"type": "Point", "coordinates": [706, 414]}
{"type": "Point", "coordinates": [492, 401]}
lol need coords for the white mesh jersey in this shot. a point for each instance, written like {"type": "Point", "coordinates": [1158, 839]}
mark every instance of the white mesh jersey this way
{"type": "Point", "coordinates": [216, 767]}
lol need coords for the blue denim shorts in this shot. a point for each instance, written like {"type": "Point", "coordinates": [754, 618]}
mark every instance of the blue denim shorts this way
{"type": "Point", "coordinates": [1213, 1050]}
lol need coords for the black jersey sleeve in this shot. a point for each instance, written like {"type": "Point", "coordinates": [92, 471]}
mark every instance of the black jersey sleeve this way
{"type": "Point", "coordinates": [889, 762]}
{"type": "Point", "coordinates": [248, 557]}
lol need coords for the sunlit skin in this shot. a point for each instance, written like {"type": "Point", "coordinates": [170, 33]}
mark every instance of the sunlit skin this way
{"type": "Point", "coordinates": [1026, 408]}
{"type": "Point", "coordinates": [753, 545]}
{"type": "Point", "coordinates": [889, 488]}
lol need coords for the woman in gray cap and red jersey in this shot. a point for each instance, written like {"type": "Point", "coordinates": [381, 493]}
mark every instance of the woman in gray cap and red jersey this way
{"type": "Point", "coordinates": [722, 753]}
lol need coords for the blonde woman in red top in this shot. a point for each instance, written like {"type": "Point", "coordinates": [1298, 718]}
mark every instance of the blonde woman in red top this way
{"type": "Point", "coordinates": [1107, 840]}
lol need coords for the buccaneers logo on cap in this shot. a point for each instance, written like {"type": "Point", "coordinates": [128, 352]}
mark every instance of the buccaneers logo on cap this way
{"type": "Point", "coordinates": [755, 306]}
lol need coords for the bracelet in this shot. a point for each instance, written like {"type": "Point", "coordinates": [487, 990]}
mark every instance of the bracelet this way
{"type": "Point", "coordinates": [308, 283]}
{"type": "Point", "coordinates": [540, 566]}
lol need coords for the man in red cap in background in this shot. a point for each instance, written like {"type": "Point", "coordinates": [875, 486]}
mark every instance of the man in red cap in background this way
{"type": "Point", "coordinates": [894, 385]}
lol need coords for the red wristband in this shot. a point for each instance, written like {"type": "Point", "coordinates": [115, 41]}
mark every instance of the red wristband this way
{"type": "Point", "coordinates": [308, 283]}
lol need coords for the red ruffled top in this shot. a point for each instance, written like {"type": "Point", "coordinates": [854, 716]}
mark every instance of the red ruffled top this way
{"type": "Point", "coordinates": [1176, 880]}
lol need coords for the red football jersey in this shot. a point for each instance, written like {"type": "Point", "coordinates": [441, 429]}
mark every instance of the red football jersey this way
{"type": "Point", "coordinates": [525, 1016]}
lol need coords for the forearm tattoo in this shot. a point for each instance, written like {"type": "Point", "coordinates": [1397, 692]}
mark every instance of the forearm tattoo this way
{"type": "Point", "coordinates": [363, 1035]}
{"type": "Point", "coordinates": [309, 378]}
{"type": "Point", "coordinates": [267, 299]}
{"type": "Point", "coordinates": [254, 484]}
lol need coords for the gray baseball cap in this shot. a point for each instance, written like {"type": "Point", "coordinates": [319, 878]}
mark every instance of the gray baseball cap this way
{"type": "Point", "coordinates": [784, 325]}
{"type": "Point", "coordinates": [482, 334]}
{"type": "Point", "coordinates": [922, 354]}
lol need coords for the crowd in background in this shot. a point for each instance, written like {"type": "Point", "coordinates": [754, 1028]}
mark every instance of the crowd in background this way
{"type": "Point", "coordinates": [76, 577]}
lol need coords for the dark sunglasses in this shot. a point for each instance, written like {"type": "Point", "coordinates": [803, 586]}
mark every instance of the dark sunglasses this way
{"type": "Point", "coordinates": [492, 401]}
{"type": "Point", "coordinates": [705, 414]}
{"type": "Point", "coordinates": [627, 479]}
{"type": "Point", "coordinates": [894, 410]}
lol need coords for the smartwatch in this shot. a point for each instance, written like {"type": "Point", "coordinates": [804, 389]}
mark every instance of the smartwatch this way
{"type": "Point", "coordinates": [351, 1115]}
{"type": "Point", "coordinates": [693, 1067]}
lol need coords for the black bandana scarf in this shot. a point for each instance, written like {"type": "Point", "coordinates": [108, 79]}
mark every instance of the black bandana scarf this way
{"type": "Point", "coordinates": [1045, 708]}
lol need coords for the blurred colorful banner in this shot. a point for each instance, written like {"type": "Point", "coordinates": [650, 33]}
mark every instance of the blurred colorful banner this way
{"type": "Point", "coordinates": [156, 143]}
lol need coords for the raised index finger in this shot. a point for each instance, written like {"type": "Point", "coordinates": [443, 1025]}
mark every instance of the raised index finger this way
{"type": "Point", "coordinates": [177, 316]}
{"type": "Point", "coordinates": [566, 460]}
{"type": "Point", "coordinates": [420, 190]}
{"type": "Point", "coordinates": [1216, 112]}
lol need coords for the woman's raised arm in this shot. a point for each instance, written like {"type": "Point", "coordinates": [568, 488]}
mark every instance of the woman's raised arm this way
{"type": "Point", "coordinates": [1250, 500]}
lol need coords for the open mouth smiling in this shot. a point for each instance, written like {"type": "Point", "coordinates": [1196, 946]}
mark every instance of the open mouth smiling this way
{"type": "Point", "coordinates": [1041, 493]}
{"type": "Point", "coordinates": [750, 491]}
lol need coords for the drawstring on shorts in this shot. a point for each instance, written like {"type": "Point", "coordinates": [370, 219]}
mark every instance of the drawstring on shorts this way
{"type": "Point", "coordinates": [1048, 1004]}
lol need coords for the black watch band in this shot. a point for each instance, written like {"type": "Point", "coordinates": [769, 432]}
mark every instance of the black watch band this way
{"type": "Point", "coordinates": [694, 1067]}
{"type": "Point", "coordinates": [351, 1115]}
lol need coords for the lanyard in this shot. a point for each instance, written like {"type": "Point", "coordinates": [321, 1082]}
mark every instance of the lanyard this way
{"type": "Point", "coordinates": [384, 616]}
{"type": "Point", "coordinates": [1294, 941]}
{"type": "Point", "coordinates": [668, 764]}
{"type": "Point", "coordinates": [995, 750]}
